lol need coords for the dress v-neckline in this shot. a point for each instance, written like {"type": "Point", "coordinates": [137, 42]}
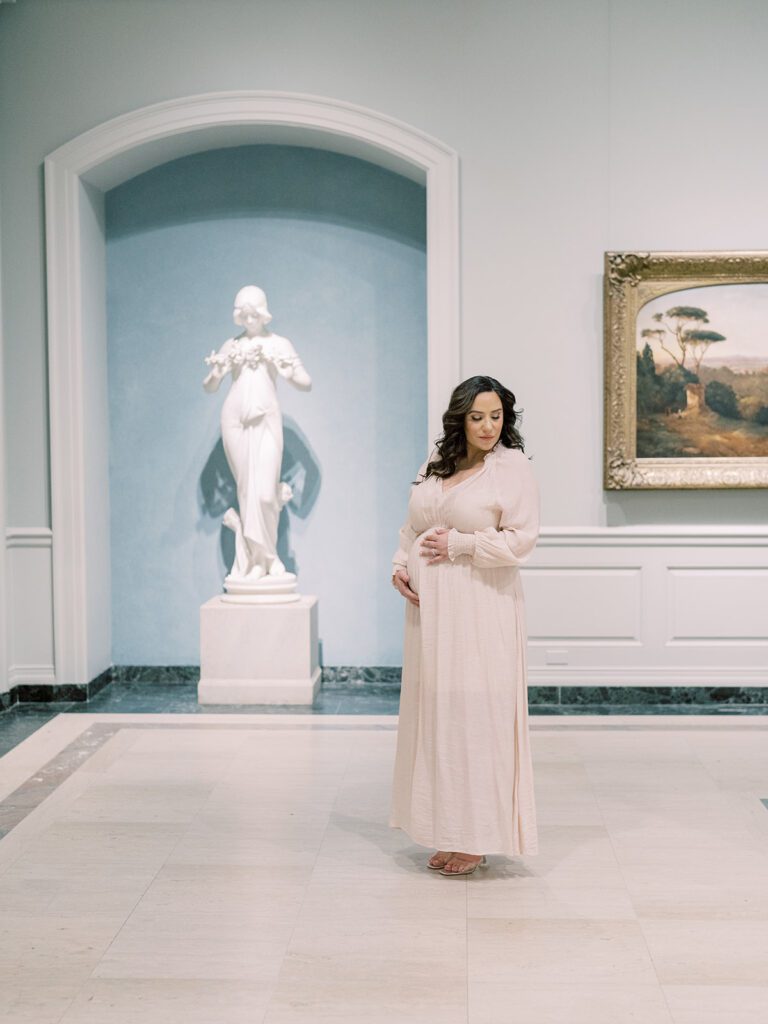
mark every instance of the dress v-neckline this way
{"type": "Point", "coordinates": [472, 476]}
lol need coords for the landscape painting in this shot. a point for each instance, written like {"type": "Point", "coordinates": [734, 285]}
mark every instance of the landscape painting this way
{"type": "Point", "coordinates": [686, 369]}
{"type": "Point", "coordinates": [702, 373]}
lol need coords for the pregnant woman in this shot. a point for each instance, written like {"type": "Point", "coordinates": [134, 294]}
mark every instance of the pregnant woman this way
{"type": "Point", "coordinates": [463, 776]}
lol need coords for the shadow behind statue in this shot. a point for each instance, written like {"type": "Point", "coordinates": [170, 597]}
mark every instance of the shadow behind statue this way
{"type": "Point", "coordinates": [300, 469]}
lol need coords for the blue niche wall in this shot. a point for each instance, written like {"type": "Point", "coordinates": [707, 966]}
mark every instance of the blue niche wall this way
{"type": "Point", "coordinates": [338, 245]}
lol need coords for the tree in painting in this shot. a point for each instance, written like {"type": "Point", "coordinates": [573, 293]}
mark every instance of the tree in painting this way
{"type": "Point", "coordinates": [688, 408]}
{"type": "Point", "coordinates": [675, 328]}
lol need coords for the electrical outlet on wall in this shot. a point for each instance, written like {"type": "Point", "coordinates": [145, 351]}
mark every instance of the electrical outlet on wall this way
{"type": "Point", "coordinates": [556, 656]}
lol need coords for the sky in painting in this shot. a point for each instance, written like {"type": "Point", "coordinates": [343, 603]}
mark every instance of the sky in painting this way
{"type": "Point", "coordinates": [739, 311]}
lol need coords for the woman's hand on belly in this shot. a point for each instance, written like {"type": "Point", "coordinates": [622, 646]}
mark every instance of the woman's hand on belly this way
{"type": "Point", "coordinates": [400, 582]}
{"type": "Point", "coordinates": [434, 546]}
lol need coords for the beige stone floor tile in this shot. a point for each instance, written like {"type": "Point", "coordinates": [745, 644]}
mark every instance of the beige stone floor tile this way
{"type": "Point", "coordinates": [555, 806]}
{"type": "Point", "coordinates": [668, 777]}
{"type": "Point", "coordinates": [102, 892]}
{"type": "Point", "coordinates": [708, 952]}
{"type": "Point", "coordinates": [385, 931]}
{"type": "Point", "coordinates": [567, 1004]}
{"type": "Point", "coordinates": [710, 745]}
{"type": "Point", "coordinates": [291, 841]}
{"type": "Point", "coordinates": [144, 768]}
{"type": "Point", "coordinates": [110, 752]}
{"type": "Point", "coordinates": [280, 859]}
{"type": "Point", "coordinates": [222, 946]}
{"type": "Point", "coordinates": [717, 1004]}
{"type": "Point", "coordinates": [353, 845]}
{"type": "Point", "coordinates": [37, 750]}
{"type": "Point", "coordinates": [573, 854]}
{"type": "Point", "coordinates": [210, 890]}
{"type": "Point", "coordinates": [717, 852]}
{"type": "Point", "coordinates": [195, 744]}
{"type": "Point", "coordinates": [168, 1001]}
{"type": "Point", "coordinates": [77, 847]}
{"type": "Point", "coordinates": [394, 902]}
{"type": "Point", "coordinates": [504, 898]}
{"type": "Point", "coordinates": [289, 830]}
{"type": "Point", "coordinates": [688, 901]}
{"type": "Point", "coordinates": [569, 776]}
{"type": "Point", "coordinates": [271, 809]}
{"type": "Point", "coordinates": [182, 870]}
{"type": "Point", "coordinates": [36, 999]}
{"type": "Point", "coordinates": [549, 748]}
{"type": "Point", "coordinates": [53, 949]}
{"type": "Point", "coordinates": [670, 875]}
{"type": "Point", "coordinates": [365, 793]}
{"type": "Point", "coordinates": [634, 746]}
{"type": "Point", "coordinates": [373, 747]}
{"type": "Point", "coordinates": [311, 752]}
{"type": "Point", "coordinates": [376, 989]}
{"type": "Point", "coordinates": [539, 953]}
{"type": "Point", "coordinates": [708, 808]}
{"type": "Point", "coordinates": [739, 772]}
{"type": "Point", "coordinates": [302, 789]}
{"type": "Point", "coordinates": [137, 803]}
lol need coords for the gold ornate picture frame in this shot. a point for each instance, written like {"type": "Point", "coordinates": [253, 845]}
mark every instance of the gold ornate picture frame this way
{"type": "Point", "coordinates": [686, 370]}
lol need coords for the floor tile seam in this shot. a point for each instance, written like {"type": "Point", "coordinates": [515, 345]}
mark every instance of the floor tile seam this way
{"type": "Point", "coordinates": [662, 724]}
{"type": "Point", "coordinates": [245, 720]}
{"type": "Point", "coordinates": [636, 916]}
{"type": "Point", "coordinates": [304, 896]}
{"type": "Point", "coordinates": [631, 898]}
{"type": "Point", "coordinates": [104, 731]}
{"type": "Point", "coordinates": [40, 779]}
{"type": "Point", "coordinates": [182, 835]}
{"type": "Point", "coordinates": [650, 723]}
{"type": "Point", "coordinates": [51, 737]}
{"type": "Point", "coordinates": [758, 839]}
{"type": "Point", "coordinates": [76, 995]}
{"type": "Point", "coordinates": [108, 729]}
{"type": "Point", "coordinates": [704, 722]}
{"type": "Point", "coordinates": [466, 945]}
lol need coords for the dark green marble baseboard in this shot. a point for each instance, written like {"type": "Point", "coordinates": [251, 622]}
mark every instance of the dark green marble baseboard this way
{"type": "Point", "coordinates": [385, 680]}
{"type": "Point", "coordinates": [573, 697]}
{"type": "Point", "coordinates": [47, 693]}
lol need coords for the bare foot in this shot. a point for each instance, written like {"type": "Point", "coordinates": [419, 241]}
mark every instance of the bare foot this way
{"type": "Point", "coordinates": [439, 859]}
{"type": "Point", "coordinates": [462, 863]}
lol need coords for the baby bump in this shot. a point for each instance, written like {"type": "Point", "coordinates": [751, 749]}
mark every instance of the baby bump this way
{"type": "Point", "coordinates": [416, 560]}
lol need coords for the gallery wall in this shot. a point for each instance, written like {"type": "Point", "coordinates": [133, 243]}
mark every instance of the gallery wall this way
{"type": "Point", "coordinates": [582, 127]}
{"type": "Point", "coordinates": [339, 247]}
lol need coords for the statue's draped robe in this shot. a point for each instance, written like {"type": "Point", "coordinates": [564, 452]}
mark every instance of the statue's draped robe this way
{"type": "Point", "coordinates": [252, 432]}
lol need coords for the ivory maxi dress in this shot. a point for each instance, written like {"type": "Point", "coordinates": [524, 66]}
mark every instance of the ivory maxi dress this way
{"type": "Point", "coordinates": [463, 774]}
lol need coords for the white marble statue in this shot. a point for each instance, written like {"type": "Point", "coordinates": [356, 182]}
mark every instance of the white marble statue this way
{"type": "Point", "coordinates": [252, 432]}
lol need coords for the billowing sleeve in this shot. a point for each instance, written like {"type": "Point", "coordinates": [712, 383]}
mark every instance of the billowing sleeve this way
{"type": "Point", "coordinates": [407, 537]}
{"type": "Point", "coordinates": [407, 532]}
{"type": "Point", "coordinates": [515, 539]}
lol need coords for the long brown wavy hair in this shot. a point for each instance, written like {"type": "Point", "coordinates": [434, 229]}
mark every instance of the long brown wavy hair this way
{"type": "Point", "coordinates": [452, 445]}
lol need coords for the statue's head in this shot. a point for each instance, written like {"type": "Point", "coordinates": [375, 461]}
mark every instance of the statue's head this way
{"type": "Point", "coordinates": [250, 303]}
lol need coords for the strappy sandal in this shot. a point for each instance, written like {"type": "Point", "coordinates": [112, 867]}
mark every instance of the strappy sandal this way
{"type": "Point", "coordinates": [469, 868]}
{"type": "Point", "coordinates": [441, 865]}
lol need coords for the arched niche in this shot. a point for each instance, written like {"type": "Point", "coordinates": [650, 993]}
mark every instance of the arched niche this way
{"type": "Point", "coordinates": [76, 178]}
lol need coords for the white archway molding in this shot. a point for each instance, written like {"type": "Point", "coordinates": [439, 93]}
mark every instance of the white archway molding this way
{"type": "Point", "coordinates": [76, 177]}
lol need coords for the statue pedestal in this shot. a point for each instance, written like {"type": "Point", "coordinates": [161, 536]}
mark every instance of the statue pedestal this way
{"type": "Point", "coordinates": [258, 653]}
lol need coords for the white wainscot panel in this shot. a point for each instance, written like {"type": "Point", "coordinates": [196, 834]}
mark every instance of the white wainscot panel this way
{"type": "Point", "coordinates": [578, 604]}
{"type": "Point", "coordinates": [648, 606]}
{"type": "Point", "coordinates": [30, 605]}
{"type": "Point", "coordinates": [723, 605]}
